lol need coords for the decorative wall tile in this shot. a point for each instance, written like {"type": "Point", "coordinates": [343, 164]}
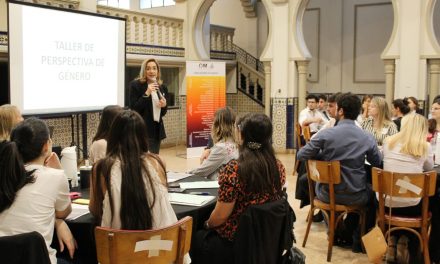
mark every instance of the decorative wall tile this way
{"type": "Point", "coordinates": [279, 112]}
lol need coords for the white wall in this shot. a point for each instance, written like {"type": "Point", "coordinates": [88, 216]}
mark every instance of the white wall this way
{"type": "Point", "coordinates": [346, 45]}
{"type": "Point", "coordinates": [262, 28]}
{"type": "Point", "coordinates": [3, 16]}
{"type": "Point", "coordinates": [230, 13]}
{"type": "Point", "coordinates": [437, 20]}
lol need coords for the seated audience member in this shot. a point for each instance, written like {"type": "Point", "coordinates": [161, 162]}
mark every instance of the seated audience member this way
{"type": "Point", "coordinates": [224, 149]}
{"type": "Point", "coordinates": [128, 187]}
{"type": "Point", "coordinates": [348, 144]}
{"type": "Point", "coordinates": [413, 104]}
{"type": "Point", "coordinates": [379, 123]}
{"type": "Point", "coordinates": [310, 116]}
{"type": "Point", "coordinates": [399, 109]}
{"type": "Point", "coordinates": [407, 151]}
{"type": "Point", "coordinates": [256, 177]}
{"type": "Point", "coordinates": [10, 116]}
{"type": "Point", "coordinates": [322, 107]}
{"type": "Point", "coordinates": [366, 100]}
{"type": "Point", "coordinates": [35, 198]}
{"type": "Point", "coordinates": [435, 115]}
{"type": "Point", "coordinates": [432, 132]}
{"type": "Point", "coordinates": [99, 144]}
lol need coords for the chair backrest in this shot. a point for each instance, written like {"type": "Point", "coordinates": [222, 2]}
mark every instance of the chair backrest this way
{"type": "Point", "coordinates": [410, 185]}
{"type": "Point", "coordinates": [327, 172]}
{"type": "Point", "coordinates": [306, 133]}
{"type": "Point", "coordinates": [324, 171]}
{"type": "Point", "coordinates": [264, 232]}
{"type": "Point", "coordinates": [165, 245]}
{"type": "Point", "coordinates": [298, 135]}
{"type": "Point", "coordinates": [32, 244]}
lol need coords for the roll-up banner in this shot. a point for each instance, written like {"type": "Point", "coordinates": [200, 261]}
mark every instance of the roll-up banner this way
{"type": "Point", "coordinates": [205, 93]}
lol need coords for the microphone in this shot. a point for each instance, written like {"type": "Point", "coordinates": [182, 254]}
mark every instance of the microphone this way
{"type": "Point", "coordinates": [159, 94]}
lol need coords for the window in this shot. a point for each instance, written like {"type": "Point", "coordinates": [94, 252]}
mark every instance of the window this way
{"type": "Point", "coordinates": [156, 3]}
{"type": "Point", "coordinates": [115, 3]}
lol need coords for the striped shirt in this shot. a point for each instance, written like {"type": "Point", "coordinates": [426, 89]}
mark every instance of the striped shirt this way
{"type": "Point", "coordinates": [387, 130]}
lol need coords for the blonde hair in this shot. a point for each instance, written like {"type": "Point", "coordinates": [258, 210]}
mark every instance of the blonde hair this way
{"type": "Point", "coordinates": [8, 119]}
{"type": "Point", "coordinates": [142, 78]}
{"type": "Point", "coordinates": [412, 136]}
{"type": "Point", "coordinates": [384, 116]}
{"type": "Point", "coordinates": [223, 126]}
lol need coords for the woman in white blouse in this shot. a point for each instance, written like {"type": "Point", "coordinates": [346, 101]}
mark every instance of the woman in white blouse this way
{"type": "Point", "coordinates": [99, 145]}
{"type": "Point", "coordinates": [408, 151]}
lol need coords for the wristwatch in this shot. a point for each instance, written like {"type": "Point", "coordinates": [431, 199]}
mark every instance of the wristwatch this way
{"type": "Point", "coordinates": [206, 225]}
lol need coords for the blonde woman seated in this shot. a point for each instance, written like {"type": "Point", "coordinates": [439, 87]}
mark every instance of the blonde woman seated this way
{"type": "Point", "coordinates": [408, 151]}
{"type": "Point", "coordinates": [379, 123]}
{"type": "Point", "coordinates": [10, 116]}
{"type": "Point", "coordinates": [99, 145]}
{"type": "Point", "coordinates": [224, 149]}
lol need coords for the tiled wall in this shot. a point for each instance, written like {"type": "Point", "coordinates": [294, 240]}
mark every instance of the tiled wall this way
{"type": "Point", "coordinates": [175, 122]}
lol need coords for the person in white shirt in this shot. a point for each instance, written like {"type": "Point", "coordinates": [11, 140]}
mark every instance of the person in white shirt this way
{"type": "Point", "coordinates": [224, 148]}
{"type": "Point", "coordinates": [35, 197]}
{"type": "Point", "coordinates": [99, 144]}
{"type": "Point", "coordinates": [310, 116]}
{"type": "Point", "coordinates": [322, 107]}
{"type": "Point", "coordinates": [408, 151]}
{"type": "Point", "coordinates": [129, 186]}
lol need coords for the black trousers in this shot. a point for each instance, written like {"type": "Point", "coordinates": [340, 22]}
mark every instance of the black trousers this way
{"type": "Point", "coordinates": [153, 145]}
{"type": "Point", "coordinates": [208, 247]}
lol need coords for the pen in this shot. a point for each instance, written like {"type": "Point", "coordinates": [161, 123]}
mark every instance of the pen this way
{"type": "Point", "coordinates": [200, 193]}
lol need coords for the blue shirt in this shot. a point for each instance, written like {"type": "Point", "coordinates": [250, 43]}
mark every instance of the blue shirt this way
{"type": "Point", "coordinates": [350, 145]}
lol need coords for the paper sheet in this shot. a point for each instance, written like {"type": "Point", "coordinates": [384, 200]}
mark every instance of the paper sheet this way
{"type": "Point", "coordinates": [175, 176]}
{"type": "Point", "coordinates": [199, 185]}
{"type": "Point", "coordinates": [78, 210]}
{"type": "Point", "coordinates": [189, 199]}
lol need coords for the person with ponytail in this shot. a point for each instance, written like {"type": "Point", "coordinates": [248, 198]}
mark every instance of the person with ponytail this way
{"type": "Point", "coordinates": [34, 192]}
{"type": "Point", "coordinates": [256, 177]}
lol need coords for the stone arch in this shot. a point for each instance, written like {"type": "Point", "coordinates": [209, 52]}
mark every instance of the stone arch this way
{"type": "Point", "coordinates": [198, 34]}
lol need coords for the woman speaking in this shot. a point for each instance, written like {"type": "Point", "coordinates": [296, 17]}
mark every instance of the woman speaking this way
{"type": "Point", "coordinates": [147, 97]}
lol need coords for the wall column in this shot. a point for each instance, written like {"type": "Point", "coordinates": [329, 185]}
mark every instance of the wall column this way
{"type": "Point", "coordinates": [390, 67]}
{"type": "Point", "coordinates": [434, 73]}
{"type": "Point", "coordinates": [267, 88]}
{"type": "Point", "coordinates": [303, 67]}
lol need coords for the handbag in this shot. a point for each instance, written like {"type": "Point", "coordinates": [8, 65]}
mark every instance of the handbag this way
{"type": "Point", "coordinates": [374, 241]}
{"type": "Point", "coordinates": [375, 244]}
{"type": "Point", "coordinates": [293, 256]}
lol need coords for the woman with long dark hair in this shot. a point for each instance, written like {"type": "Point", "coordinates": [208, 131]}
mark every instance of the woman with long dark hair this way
{"type": "Point", "coordinates": [99, 144]}
{"type": "Point", "coordinates": [256, 177]}
{"type": "Point", "coordinates": [35, 198]}
{"type": "Point", "coordinates": [129, 185]}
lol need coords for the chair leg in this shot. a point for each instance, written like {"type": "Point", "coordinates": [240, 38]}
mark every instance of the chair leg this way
{"type": "Point", "coordinates": [309, 223]}
{"type": "Point", "coordinates": [296, 167]}
{"type": "Point", "coordinates": [331, 235]}
{"type": "Point", "coordinates": [425, 245]}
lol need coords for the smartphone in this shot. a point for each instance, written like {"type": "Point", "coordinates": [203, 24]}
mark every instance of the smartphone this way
{"type": "Point", "coordinates": [176, 190]}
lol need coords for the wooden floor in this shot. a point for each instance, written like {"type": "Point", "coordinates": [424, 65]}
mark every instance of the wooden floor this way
{"type": "Point", "coordinates": [316, 249]}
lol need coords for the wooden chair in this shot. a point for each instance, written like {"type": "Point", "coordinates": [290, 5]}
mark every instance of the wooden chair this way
{"type": "Point", "coordinates": [305, 132]}
{"type": "Point", "coordinates": [165, 245]}
{"type": "Point", "coordinates": [390, 183]}
{"type": "Point", "coordinates": [328, 172]}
